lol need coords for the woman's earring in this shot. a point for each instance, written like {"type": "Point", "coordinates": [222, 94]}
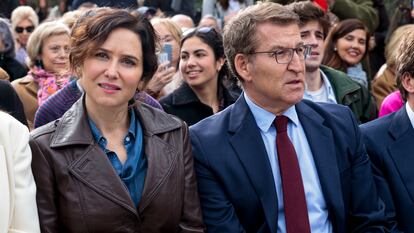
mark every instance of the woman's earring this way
{"type": "Point", "coordinates": [335, 49]}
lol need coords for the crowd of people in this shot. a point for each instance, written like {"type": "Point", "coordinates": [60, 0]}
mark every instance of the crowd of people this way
{"type": "Point", "coordinates": [206, 116]}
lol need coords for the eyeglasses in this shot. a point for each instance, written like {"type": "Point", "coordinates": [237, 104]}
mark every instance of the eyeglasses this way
{"type": "Point", "coordinates": [201, 30]}
{"type": "Point", "coordinates": [27, 29]}
{"type": "Point", "coordinates": [285, 55]}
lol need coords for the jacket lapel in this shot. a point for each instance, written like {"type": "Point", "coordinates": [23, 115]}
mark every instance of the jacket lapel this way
{"type": "Point", "coordinates": [161, 157]}
{"type": "Point", "coordinates": [402, 149]}
{"type": "Point", "coordinates": [249, 146]}
{"type": "Point", "coordinates": [96, 172]}
{"type": "Point", "coordinates": [92, 167]}
{"type": "Point", "coordinates": [324, 156]}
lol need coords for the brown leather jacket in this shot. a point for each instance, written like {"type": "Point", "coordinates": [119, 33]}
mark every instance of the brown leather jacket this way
{"type": "Point", "coordinates": [79, 191]}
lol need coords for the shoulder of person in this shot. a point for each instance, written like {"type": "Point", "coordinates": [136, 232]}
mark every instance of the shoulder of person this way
{"type": "Point", "coordinates": [9, 122]}
{"type": "Point", "coordinates": [45, 130]}
{"type": "Point", "coordinates": [336, 75]}
{"type": "Point", "coordinates": [23, 81]}
{"type": "Point", "coordinates": [158, 121]}
{"type": "Point", "coordinates": [333, 114]}
{"type": "Point", "coordinates": [217, 122]}
{"type": "Point", "coordinates": [378, 125]}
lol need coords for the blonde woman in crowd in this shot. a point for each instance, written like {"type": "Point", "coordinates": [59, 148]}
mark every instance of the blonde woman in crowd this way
{"type": "Point", "coordinates": [18, 210]}
{"type": "Point", "coordinates": [166, 79]}
{"type": "Point", "coordinates": [24, 20]}
{"type": "Point", "coordinates": [48, 50]}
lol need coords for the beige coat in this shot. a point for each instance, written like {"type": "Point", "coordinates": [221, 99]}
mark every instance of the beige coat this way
{"type": "Point", "coordinates": [383, 84]}
{"type": "Point", "coordinates": [4, 75]}
{"type": "Point", "coordinates": [26, 88]}
{"type": "Point", "coordinates": [18, 210]}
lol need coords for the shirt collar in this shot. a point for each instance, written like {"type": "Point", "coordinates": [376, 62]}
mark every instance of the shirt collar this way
{"type": "Point", "coordinates": [329, 89]}
{"type": "Point", "coordinates": [264, 119]}
{"type": "Point", "coordinates": [101, 139]}
{"type": "Point", "coordinates": [410, 114]}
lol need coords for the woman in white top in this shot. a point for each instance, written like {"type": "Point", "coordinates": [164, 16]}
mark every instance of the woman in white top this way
{"type": "Point", "coordinates": [18, 210]}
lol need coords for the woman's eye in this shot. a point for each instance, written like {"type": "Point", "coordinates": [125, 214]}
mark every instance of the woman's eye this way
{"type": "Point", "coordinates": [54, 49]}
{"type": "Point", "coordinates": [129, 62]}
{"type": "Point", "coordinates": [101, 55]}
{"type": "Point", "coordinates": [349, 38]}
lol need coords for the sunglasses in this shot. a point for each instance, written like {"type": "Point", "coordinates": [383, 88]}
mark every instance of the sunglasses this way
{"type": "Point", "coordinates": [27, 29]}
{"type": "Point", "coordinates": [199, 30]}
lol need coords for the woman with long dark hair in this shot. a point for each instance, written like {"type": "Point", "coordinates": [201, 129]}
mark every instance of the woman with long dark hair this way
{"type": "Point", "coordinates": [346, 46]}
{"type": "Point", "coordinates": [204, 69]}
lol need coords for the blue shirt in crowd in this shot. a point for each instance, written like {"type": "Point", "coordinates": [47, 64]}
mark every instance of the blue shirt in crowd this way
{"type": "Point", "coordinates": [134, 170]}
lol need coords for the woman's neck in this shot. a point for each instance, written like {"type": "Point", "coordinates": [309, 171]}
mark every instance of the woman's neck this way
{"type": "Point", "coordinates": [109, 120]}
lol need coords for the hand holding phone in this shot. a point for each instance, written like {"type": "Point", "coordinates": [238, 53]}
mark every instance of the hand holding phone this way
{"type": "Point", "coordinates": [165, 54]}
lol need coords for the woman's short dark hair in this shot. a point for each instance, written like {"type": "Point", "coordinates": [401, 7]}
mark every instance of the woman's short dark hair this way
{"type": "Point", "coordinates": [93, 28]}
{"type": "Point", "coordinates": [344, 27]}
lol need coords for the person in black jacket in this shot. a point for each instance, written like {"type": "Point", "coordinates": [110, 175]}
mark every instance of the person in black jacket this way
{"type": "Point", "coordinates": [204, 71]}
{"type": "Point", "coordinates": [10, 102]}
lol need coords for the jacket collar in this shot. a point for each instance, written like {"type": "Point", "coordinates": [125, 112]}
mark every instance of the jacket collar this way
{"type": "Point", "coordinates": [184, 95]}
{"type": "Point", "coordinates": [72, 127]}
{"type": "Point", "coordinates": [400, 124]}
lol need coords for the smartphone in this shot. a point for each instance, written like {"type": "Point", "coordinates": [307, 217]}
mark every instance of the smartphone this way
{"type": "Point", "coordinates": [165, 54]}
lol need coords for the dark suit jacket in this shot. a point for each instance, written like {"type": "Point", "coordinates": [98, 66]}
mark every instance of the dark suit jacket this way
{"type": "Point", "coordinates": [235, 179]}
{"type": "Point", "coordinates": [390, 145]}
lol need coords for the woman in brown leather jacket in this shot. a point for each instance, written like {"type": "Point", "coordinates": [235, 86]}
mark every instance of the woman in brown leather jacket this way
{"type": "Point", "coordinates": [109, 164]}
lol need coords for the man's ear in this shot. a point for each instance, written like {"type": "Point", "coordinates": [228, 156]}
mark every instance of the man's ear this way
{"type": "Point", "coordinates": [243, 67]}
{"type": "Point", "coordinates": [407, 82]}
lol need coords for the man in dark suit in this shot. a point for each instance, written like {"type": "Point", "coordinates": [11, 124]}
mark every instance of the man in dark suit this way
{"type": "Point", "coordinates": [273, 162]}
{"type": "Point", "coordinates": [390, 144]}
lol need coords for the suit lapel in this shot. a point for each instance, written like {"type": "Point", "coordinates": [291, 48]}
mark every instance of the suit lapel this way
{"type": "Point", "coordinates": [249, 146]}
{"type": "Point", "coordinates": [324, 156]}
{"type": "Point", "coordinates": [402, 150]}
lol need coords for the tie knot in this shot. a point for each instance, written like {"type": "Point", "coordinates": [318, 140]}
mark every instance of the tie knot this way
{"type": "Point", "coordinates": [281, 123]}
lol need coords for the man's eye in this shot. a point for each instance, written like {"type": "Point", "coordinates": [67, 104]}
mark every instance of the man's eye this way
{"type": "Point", "coordinates": [279, 52]}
